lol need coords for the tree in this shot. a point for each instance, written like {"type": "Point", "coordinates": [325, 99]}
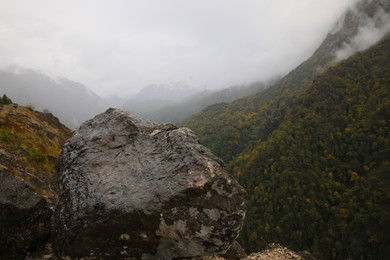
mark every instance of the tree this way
{"type": "Point", "coordinates": [5, 100]}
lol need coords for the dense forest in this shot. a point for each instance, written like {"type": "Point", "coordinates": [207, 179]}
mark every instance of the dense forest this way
{"type": "Point", "coordinates": [313, 153]}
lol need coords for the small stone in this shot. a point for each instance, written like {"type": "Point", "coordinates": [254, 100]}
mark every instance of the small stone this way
{"type": "Point", "coordinates": [124, 237]}
{"type": "Point", "coordinates": [123, 252]}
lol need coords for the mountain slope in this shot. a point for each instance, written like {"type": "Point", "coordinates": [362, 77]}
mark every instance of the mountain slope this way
{"type": "Point", "coordinates": [253, 118]}
{"type": "Point", "coordinates": [72, 102]}
{"type": "Point", "coordinates": [176, 110]}
{"type": "Point", "coordinates": [177, 113]}
{"type": "Point", "coordinates": [320, 179]}
{"type": "Point", "coordinates": [313, 149]}
{"type": "Point", "coordinates": [30, 143]}
{"type": "Point", "coordinates": [153, 98]}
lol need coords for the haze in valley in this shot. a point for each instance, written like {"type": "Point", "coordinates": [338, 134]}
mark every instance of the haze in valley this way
{"type": "Point", "coordinates": [119, 47]}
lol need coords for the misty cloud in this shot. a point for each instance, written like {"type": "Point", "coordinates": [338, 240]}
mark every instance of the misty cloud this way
{"type": "Point", "coordinates": [373, 29]}
{"type": "Point", "coordinates": [118, 47]}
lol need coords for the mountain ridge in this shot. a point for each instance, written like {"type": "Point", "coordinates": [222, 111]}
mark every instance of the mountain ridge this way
{"type": "Point", "coordinates": [67, 99]}
{"type": "Point", "coordinates": [180, 111]}
{"type": "Point", "coordinates": [277, 97]}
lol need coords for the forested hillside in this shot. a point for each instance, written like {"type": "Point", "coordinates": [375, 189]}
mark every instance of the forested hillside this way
{"type": "Point", "coordinates": [314, 158]}
{"type": "Point", "coordinates": [246, 121]}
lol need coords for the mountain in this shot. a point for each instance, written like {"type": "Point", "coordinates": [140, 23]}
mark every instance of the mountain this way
{"type": "Point", "coordinates": [177, 113]}
{"type": "Point", "coordinates": [313, 150]}
{"type": "Point", "coordinates": [153, 98]}
{"type": "Point", "coordinates": [153, 102]}
{"type": "Point", "coordinates": [253, 118]}
{"type": "Point", "coordinates": [115, 100]}
{"type": "Point", "coordinates": [320, 179]}
{"type": "Point", "coordinates": [72, 102]}
{"type": "Point", "coordinates": [171, 91]}
{"type": "Point", "coordinates": [360, 27]}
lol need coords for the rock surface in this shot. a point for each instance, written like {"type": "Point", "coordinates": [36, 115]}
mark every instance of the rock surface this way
{"type": "Point", "coordinates": [24, 217]}
{"type": "Point", "coordinates": [273, 252]}
{"type": "Point", "coordinates": [235, 252]}
{"type": "Point", "coordinates": [134, 188]}
{"type": "Point", "coordinates": [279, 252]}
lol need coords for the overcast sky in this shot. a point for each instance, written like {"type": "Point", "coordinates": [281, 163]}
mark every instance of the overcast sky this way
{"type": "Point", "coordinates": [120, 46]}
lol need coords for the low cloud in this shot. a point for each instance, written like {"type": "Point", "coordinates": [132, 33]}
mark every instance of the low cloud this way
{"type": "Point", "coordinates": [119, 47]}
{"type": "Point", "coordinates": [371, 31]}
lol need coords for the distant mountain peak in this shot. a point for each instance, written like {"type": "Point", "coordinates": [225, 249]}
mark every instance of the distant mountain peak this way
{"type": "Point", "coordinates": [174, 91]}
{"type": "Point", "coordinates": [72, 102]}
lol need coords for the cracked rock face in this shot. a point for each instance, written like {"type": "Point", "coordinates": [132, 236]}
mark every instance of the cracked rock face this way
{"type": "Point", "coordinates": [133, 188]}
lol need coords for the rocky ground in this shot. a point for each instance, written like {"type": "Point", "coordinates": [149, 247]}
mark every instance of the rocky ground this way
{"type": "Point", "coordinates": [279, 252]}
{"type": "Point", "coordinates": [273, 252]}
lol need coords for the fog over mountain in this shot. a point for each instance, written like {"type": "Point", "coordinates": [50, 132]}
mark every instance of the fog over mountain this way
{"type": "Point", "coordinates": [72, 102]}
{"type": "Point", "coordinates": [119, 47]}
{"type": "Point", "coordinates": [373, 25]}
{"type": "Point", "coordinates": [292, 96]}
{"type": "Point", "coordinates": [166, 64]}
{"type": "Point", "coordinates": [362, 25]}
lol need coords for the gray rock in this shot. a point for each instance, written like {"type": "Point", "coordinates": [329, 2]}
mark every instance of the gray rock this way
{"type": "Point", "coordinates": [24, 217]}
{"type": "Point", "coordinates": [133, 188]}
{"type": "Point", "coordinates": [235, 252]}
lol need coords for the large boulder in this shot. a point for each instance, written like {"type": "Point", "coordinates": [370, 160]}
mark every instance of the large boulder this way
{"type": "Point", "coordinates": [24, 217]}
{"type": "Point", "coordinates": [133, 188]}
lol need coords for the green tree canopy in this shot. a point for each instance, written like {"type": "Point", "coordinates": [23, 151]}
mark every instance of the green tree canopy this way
{"type": "Point", "coordinates": [314, 157]}
{"type": "Point", "coordinates": [5, 100]}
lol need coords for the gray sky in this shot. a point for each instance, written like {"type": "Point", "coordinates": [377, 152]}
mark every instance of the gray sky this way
{"type": "Point", "coordinates": [120, 46]}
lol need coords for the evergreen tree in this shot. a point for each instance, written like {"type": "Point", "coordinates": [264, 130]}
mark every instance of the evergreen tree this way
{"type": "Point", "coordinates": [5, 100]}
